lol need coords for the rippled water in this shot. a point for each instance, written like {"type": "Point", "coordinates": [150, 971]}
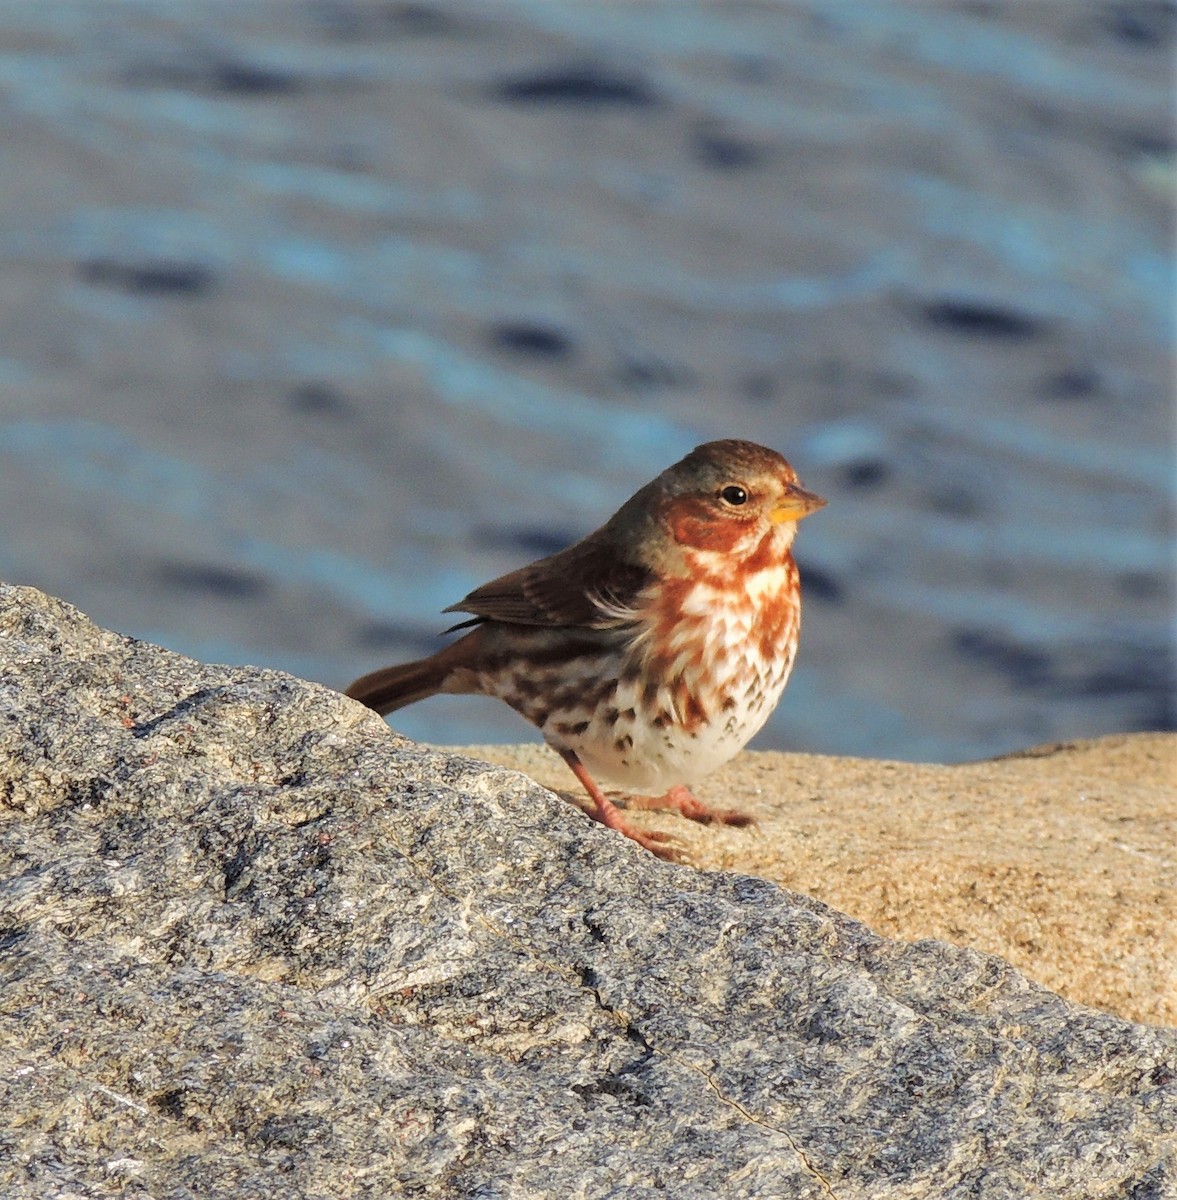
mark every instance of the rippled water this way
{"type": "Point", "coordinates": [317, 314]}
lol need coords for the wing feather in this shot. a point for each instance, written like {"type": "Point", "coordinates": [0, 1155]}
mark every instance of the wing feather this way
{"type": "Point", "coordinates": [588, 585]}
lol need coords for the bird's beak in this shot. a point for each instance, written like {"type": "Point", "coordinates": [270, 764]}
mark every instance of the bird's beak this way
{"type": "Point", "coordinates": [795, 504]}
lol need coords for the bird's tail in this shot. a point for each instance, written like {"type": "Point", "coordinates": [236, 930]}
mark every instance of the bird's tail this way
{"type": "Point", "coordinates": [391, 688]}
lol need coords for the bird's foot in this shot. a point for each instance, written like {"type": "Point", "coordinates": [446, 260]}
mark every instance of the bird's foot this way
{"type": "Point", "coordinates": [682, 800]}
{"type": "Point", "coordinates": [660, 844]}
{"type": "Point", "coordinates": [608, 814]}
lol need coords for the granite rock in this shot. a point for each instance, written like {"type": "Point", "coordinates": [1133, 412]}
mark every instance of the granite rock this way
{"type": "Point", "coordinates": [253, 944]}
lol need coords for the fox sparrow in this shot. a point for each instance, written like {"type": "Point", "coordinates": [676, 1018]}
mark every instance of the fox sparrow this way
{"type": "Point", "coordinates": [649, 652]}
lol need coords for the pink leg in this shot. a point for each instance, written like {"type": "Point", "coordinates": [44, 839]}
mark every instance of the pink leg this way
{"type": "Point", "coordinates": [681, 799]}
{"type": "Point", "coordinates": [607, 813]}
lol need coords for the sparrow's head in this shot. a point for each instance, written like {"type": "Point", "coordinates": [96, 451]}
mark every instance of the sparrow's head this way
{"type": "Point", "coordinates": [729, 496]}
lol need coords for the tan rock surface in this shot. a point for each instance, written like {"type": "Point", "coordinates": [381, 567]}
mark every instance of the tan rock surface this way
{"type": "Point", "coordinates": [1062, 859]}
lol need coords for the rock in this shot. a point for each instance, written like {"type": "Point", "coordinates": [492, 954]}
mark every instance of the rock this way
{"type": "Point", "coordinates": [253, 944]}
{"type": "Point", "coordinates": [1060, 859]}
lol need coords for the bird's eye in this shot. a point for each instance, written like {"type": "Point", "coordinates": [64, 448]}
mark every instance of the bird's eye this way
{"type": "Point", "coordinates": [734, 494]}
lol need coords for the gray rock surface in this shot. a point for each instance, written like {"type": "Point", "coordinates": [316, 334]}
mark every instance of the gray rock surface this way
{"type": "Point", "coordinates": [252, 944]}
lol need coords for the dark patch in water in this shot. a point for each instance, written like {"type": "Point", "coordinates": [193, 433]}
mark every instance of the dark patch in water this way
{"type": "Point", "coordinates": [418, 19]}
{"type": "Point", "coordinates": [533, 541]}
{"type": "Point", "coordinates": [892, 385]}
{"type": "Point", "coordinates": [317, 399]}
{"type": "Point", "coordinates": [1024, 666]}
{"type": "Point", "coordinates": [1078, 383]}
{"type": "Point", "coordinates": [752, 68]}
{"type": "Point", "coordinates": [651, 373]}
{"type": "Point", "coordinates": [1151, 143]}
{"type": "Point", "coordinates": [358, 22]}
{"type": "Point", "coordinates": [250, 79]}
{"type": "Point", "coordinates": [954, 502]}
{"type": "Point", "coordinates": [211, 579]}
{"type": "Point", "coordinates": [538, 341]}
{"type": "Point", "coordinates": [974, 318]}
{"type": "Point", "coordinates": [1160, 717]}
{"type": "Point", "coordinates": [759, 388]}
{"type": "Point", "coordinates": [720, 151]}
{"type": "Point", "coordinates": [1141, 671]}
{"type": "Point", "coordinates": [232, 76]}
{"type": "Point", "coordinates": [410, 640]}
{"type": "Point", "coordinates": [820, 584]}
{"type": "Point", "coordinates": [865, 474]}
{"type": "Point", "coordinates": [1142, 585]}
{"type": "Point", "coordinates": [149, 279]}
{"type": "Point", "coordinates": [1142, 25]}
{"type": "Point", "coordinates": [1140, 679]}
{"type": "Point", "coordinates": [586, 85]}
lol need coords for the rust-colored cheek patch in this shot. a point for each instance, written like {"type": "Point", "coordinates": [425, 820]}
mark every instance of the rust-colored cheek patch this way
{"type": "Point", "coordinates": [697, 527]}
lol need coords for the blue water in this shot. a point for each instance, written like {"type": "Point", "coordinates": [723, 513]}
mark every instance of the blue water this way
{"type": "Point", "coordinates": [312, 324]}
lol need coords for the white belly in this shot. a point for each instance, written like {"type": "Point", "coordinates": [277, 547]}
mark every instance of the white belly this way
{"type": "Point", "coordinates": [706, 707]}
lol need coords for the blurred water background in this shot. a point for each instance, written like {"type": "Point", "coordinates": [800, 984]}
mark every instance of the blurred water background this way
{"type": "Point", "coordinates": [315, 314]}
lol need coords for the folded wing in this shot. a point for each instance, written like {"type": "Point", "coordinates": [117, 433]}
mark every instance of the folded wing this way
{"type": "Point", "coordinates": [586, 585]}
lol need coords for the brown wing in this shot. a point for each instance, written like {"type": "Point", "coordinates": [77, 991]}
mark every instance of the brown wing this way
{"type": "Point", "coordinates": [560, 589]}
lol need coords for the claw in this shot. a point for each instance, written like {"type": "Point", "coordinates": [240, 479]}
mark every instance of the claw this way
{"type": "Point", "coordinates": [659, 844]}
{"type": "Point", "coordinates": [682, 800]}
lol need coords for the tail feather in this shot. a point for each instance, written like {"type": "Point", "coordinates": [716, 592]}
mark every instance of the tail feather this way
{"type": "Point", "coordinates": [391, 688]}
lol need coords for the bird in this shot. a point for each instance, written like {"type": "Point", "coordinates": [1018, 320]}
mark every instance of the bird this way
{"type": "Point", "coordinates": [649, 652]}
